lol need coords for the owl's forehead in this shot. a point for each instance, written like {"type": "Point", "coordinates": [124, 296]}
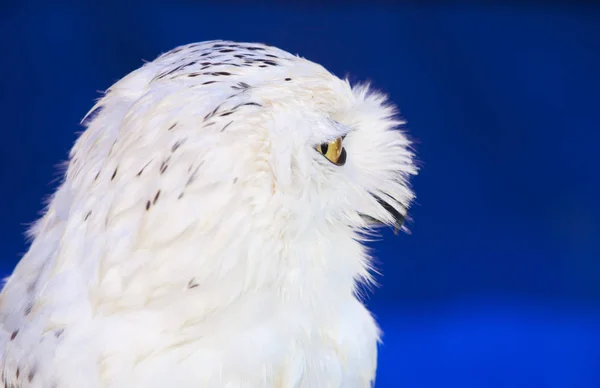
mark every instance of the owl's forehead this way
{"type": "Point", "coordinates": [228, 51]}
{"type": "Point", "coordinates": [226, 68]}
{"type": "Point", "coordinates": [226, 58]}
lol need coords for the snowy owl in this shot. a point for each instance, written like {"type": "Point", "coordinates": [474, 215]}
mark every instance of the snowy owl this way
{"type": "Point", "coordinates": [210, 229]}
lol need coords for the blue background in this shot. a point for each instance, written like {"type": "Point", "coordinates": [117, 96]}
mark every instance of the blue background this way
{"type": "Point", "coordinates": [499, 283]}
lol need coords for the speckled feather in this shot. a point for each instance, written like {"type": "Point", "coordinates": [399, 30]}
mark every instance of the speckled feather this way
{"type": "Point", "coordinates": [200, 240]}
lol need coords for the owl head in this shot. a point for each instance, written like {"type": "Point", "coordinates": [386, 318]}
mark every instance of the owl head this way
{"type": "Point", "coordinates": [243, 157]}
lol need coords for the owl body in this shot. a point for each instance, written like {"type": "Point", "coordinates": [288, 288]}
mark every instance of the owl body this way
{"type": "Point", "coordinates": [201, 238]}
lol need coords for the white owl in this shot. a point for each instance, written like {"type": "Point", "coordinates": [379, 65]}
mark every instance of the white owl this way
{"type": "Point", "coordinates": [209, 231]}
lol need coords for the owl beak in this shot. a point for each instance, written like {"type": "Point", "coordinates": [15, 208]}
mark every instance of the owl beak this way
{"type": "Point", "coordinates": [398, 217]}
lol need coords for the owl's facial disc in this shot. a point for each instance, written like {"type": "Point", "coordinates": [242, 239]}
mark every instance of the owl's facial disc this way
{"type": "Point", "coordinates": [335, 153]}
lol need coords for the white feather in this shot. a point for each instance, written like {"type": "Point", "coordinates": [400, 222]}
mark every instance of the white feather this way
{"type": "Point", "coordinates": [200, 240]}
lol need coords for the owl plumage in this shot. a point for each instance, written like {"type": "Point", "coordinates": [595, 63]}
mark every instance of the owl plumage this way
{"type": "Point", "coordinates": [209, 231]}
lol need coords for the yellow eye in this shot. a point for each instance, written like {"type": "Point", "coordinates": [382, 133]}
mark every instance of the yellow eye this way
{"type": "Point", "coordinates": [333, 151]}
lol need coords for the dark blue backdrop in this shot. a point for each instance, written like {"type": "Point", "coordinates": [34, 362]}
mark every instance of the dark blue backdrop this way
{"type": "Point", "coordinates": [499, 283]}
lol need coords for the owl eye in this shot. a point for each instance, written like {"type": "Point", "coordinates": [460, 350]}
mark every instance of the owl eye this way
{"type": "Point", "coordinates": [333, 151]}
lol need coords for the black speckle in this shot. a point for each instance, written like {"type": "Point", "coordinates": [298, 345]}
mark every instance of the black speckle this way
{"type": "Point", "coordinates": [226, 125]}
{"type": "Point", "coordinates": [271, 63]}
{"type": "Point", "coordinates": [251, 104]}
{"type": "Point", "coordinates": [14, 334]}
{"type": "Point", "coordinates": [241, 86]}
{"type": "Point", "coordinates": [18, 372]}
{"type": "Point", "coordinates": [221, 73]}
{"type": "Point", "coordinates": [217, 45]}
{"type": "Point", "coordinates": [58, 333]}
{"type": "Point", "coordinates": [192, 75]}
{"type": "Point", "coordinates": [205, 64]}
{"type": "Point", "coordinates": [114, 173]}
{"type": "Point", "coordinates": [226, 51]}
{"type": "Point", "coordinates": [180, 196]}
{"type": "Point", "coordinates": [28, 308]}
{"type": "Point", "coordinates": [88, 215]}
{"type": "Point", "coordinates": [225, 114]}
{"type": "Point", "coordinates": [205, 54]}
{"type": "Point", "coordinates": [31, 374]}
{"type": "Point", "coordinates": [235, 180]}
{"type": "Point", "coordinates": [193, 176]}
{"type": "Point", "coordinates": [177, 144]}
{"type": "Point", "coordinates": [240, 56]}
{"type": "Point", "coordinates": [262, 66]}
{"type": "Point", "coordinates": [211, 114]}
{"type": "Point", "coordinates": [255, 48]}
{"type": "Point", "coordinates": [97, 175]}
{"type": "Point", "coordinates": [208, 82]}
{"type": "Point", "coordinates": [156, 197]}
{"type": "Point", "coordinates": [209, 124]}
{"type": "Point", "coordinates": [111, 147]}
{"type": "Point", "coordinates": [288, 79]}
{"type": "Point", "coordinates": [192, 283]}
{"type": "Point", "coordinates": [142, 170]}
{"type": "Point", "coordinates": [175, 69]}
{"type": "Point", "coordinates": [172, 126]}
{"type": "Point", "coordinates": [163, 166]}
{"type": "Point", "coordinates": [148, 205]}
{"type": "Point", "coordinates": [271, 56]}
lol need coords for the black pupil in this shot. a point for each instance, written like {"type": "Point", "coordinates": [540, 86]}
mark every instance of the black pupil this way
{"type": "Point", "coordinates": [324, 148]}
